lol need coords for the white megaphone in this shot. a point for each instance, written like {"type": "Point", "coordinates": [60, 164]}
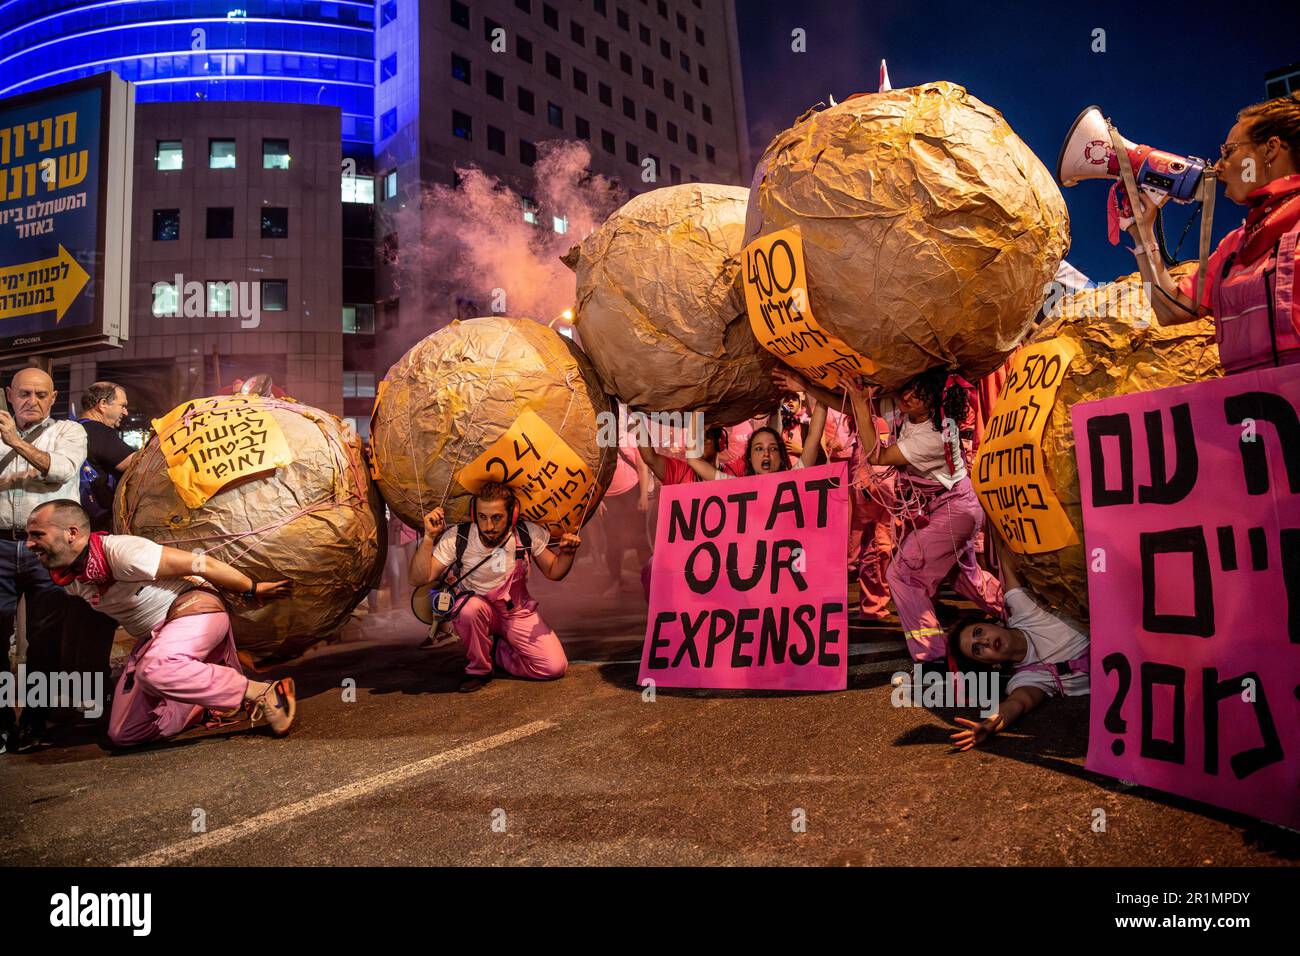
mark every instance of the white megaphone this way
{"type": "Point", "coordinates": [1089, 153]}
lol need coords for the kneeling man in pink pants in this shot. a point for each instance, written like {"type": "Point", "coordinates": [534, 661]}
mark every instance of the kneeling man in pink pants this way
{"type": "Point", "coordinates": [183, 666]}
{"type": "Point", "coordinates": [487, 559]}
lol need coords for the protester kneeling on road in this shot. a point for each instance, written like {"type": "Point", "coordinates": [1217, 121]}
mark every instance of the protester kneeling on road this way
{"type": "Point", "coordinates": [1044, 655]}
{"type": "Point", "coordinates": [497, 548]}
{"type": "Point", "coordinates": [184, 666]}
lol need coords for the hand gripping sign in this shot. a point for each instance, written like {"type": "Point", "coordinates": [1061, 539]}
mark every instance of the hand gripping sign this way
{"type": "Point", "coordinates": [1191, 510]}
{"type": "Point", "coordinates": [748, 586]}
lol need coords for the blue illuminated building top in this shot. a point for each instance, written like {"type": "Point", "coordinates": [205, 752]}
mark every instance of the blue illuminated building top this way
{"type": "Point", "coordinates": [178, 50]}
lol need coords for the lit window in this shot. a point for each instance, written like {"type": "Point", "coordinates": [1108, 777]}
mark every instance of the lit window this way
{"type": "Point", "coordinates": [166, 225]}
{"type": "Point", "coordinates": [169, 155]}
{"type": "Point", "coordinates": [462, 127]}
{"type": "Point", "coordinates": [530, 210]}
{"type": "Point", "coordinates": [560, 224]}
{"type": "Point", "coordinates": [387, 13]}
{"type": "Point", "coordinates": [388, 67]}
{"type": "Point", "coordinates": [275, 295]}
{"type": "Point", "coordinates": [220, 297]}
{"type": "Point", "coordinates": [359, 318]}
{"type": "Point", "coordinates": [358, 384]}
{"type": "Point", "coordinates": [275, 154]}
{"type": "Point", "coordinates": [221, 154]}
{"type": "Point", "coordinates": [166, 300]}
{"type": "Point", "coordinates": [360, 189]}
{"type": "Point", "coordinates": [390, 184]}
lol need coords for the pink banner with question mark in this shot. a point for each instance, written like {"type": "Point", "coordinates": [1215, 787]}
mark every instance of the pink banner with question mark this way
{"type": "Point", "coordinates": [749, 583]}
{"type": "Point", "coordinates": [1191, 513]}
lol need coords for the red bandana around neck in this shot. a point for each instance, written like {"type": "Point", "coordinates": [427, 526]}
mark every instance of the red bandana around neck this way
{"type": "Point", "coordinates": [91, 568]}
{"type": "Point", "coordinates": [1274, 211]}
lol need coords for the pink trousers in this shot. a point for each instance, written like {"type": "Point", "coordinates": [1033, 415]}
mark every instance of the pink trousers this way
{"type": "Point", "coordinates": [172, 676]}
{"type": "Point", "coordinates": [528, 647]}
{"type": "Point", "coordinates": [871, 540]}
{"type": "Point", "coordinates": [924, 559]}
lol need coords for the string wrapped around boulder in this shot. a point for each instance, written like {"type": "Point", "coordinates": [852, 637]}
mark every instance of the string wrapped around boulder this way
{"type": "Point", "coordinates": [660, 310]}
{"type": "Point", "coordinates": [494, 398]}
{"type": "Point", "coordinates": [316, 520]}
{"type": "Point", "coordinates": [929, 228]}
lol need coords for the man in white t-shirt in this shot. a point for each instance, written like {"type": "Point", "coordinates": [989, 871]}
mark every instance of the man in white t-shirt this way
{"type": "Point", "coordinates": [1045, 655]}
{"type": "Point", "coordinates": [184, 663]}
{"type": "Point", "coordinates": [496, 549]}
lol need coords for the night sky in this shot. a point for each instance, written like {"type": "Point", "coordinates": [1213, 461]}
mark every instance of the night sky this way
{"type": "Point", "coordinates": [1174, 87]}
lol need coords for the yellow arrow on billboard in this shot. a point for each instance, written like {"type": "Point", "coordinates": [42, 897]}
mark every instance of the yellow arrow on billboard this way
{"type": "Point", "coordinates": [48, 285]}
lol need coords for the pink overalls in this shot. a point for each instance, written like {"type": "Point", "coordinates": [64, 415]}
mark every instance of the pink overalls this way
{"type": "Point", "coordinates": [1253, 310]}
{"type": "Point", "coordinates": [184, 667]}
{"type": "Point", "coordinates": [945, 536]}
{"type": "Point", "coordinates": [529, 646]}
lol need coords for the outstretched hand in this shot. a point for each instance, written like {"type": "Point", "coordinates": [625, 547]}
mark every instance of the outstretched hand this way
{"type": "Point", "coordinates": [975, 732]}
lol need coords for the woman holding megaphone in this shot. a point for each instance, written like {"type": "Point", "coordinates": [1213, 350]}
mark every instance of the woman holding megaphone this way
{"type": "Point", "coordinates": [1250, 284]}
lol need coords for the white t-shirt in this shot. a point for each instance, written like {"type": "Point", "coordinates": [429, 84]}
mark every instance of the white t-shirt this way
{"type": "Point", "coordinates": [137, 601]}
{"type": "Point", "coordinates": [1050, 640]}
{"type": "Point", "coordinates": [493, 571]}
{"type": "Point", "coordinates": [922, 446]}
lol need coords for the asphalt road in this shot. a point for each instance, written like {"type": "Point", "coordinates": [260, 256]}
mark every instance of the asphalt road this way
{"type": "Point", "coordinates": [586, 771]}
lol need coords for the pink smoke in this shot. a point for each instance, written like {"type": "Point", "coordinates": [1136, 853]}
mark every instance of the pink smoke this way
{"type": "Point", "coordinates": [474, 239]}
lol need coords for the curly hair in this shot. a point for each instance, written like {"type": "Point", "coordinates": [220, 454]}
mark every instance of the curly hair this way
{"type": "Point", "coordinates": [944, 402]}
{"type": "Point", "coordinates": [1278, 117]}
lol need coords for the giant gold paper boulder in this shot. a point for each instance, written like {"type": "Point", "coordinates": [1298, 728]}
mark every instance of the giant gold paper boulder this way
{"type": "Point", "coordinates": [316, 520]}
{"type": "Point", "coordinates": [1121, 349]}
{"type": "Point", "coordinates": [929, 229]}
{"type": "Point", "coordinates": [660, 310]}
{"type": "Point", "coordinates": [494, 398]}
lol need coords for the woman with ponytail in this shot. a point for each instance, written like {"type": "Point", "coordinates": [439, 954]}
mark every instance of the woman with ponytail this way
{"type": "Point", "coordinates": [946, 514]}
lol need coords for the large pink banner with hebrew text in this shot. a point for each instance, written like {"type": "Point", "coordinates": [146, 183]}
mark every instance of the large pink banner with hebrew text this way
{"type": "Point", "coordinates": [749, 584]}
{"type": "Point", "coordinates": [1191, 513]}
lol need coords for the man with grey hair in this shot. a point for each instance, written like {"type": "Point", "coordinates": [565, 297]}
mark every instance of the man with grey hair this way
{"type": "Point", "coordinates": [40, 460]}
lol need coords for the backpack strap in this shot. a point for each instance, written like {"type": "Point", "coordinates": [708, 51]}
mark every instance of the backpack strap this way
{"type": "Point", "coordinates": [523, 541]}
{"type": "Point", "coordinates": [462, 541]}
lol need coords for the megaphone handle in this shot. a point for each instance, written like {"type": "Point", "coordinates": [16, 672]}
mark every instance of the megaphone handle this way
{"type": "Point", "coordinates": [1130, 186]}
{"type": "Point", "coordinates": [1207, 224]}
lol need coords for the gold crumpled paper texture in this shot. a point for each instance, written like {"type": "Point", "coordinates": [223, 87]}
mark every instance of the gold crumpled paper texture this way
{"type": "Point", "coordinates": [333, 553]}
{"type": "Point", "coordinates": [1114, 358]}
{"type": "Point", "coordinates": [929, 229]}
{"type": "Point", "coordinates": [458, 390]}
{"type": "Point", "coordinates": [660, 308]}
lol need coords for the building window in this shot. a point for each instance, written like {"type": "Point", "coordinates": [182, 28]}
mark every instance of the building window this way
{"type": "Point", "coordinates": [710, 153]}
{"type": "Point", "coordinates": [691, 143]}
{"type": "Point", "coordinates": [625, 63]}
{"type": "Point", "coordinates": [704, 74]}
{"type": "Point", "coordinates": [684, 61]}
{"type": "Point", "coordinates": [166, 300]}
{"type": "Point", "coordinates": [581, 128]}
{"type": "Point", "coordinates": [496, 140]}
{"type": "Point", "coordinates": [707, 112]}
{"type": "Point", "coordinates": [681, 22]}
{"type": "Point", "coordinates": [607, 141]}
{"type": "Point", "coordinates": [662, 8]}
{"type": "Point", "coordinates": [388, 123]}
{"type": "Point", "coordinates": [688, 101]}
{"type": "Point", "coordinates": [580, 81]}
{"type": "Point", "coordinates": [672, 132]}
{"type": "Point", "coordinates": [555, 116]}
{"type": "Point", "coordinates": [527, 152]}
{"type": "Point", "coordinates": [459, 14]}
{"type": "Point", "coordinates": [221, 295]}
{"type": "Point", "coordinates": [553, 66]}
{"type": "Point", "coordinates": [665, 49]}
{"type": "Point", "coordinates": [675, 175]}
{"type": "Point", "coordinates": [490, 28]}
{"type": "Point", "coordinates": [275, 154]}
{"type": "Point", "coordinates": [462, 125]}
{"type": "Point", "coordinates": [600, 7]}
{"type": "Point", "coordinates": [275, 295]}
{"type": "Point", "coordinates": [168, 155]}
{"type": "Point", "coordinates": [602, 48]}
{"type": "Point", "coordinates": [651, 121]}
{"type": "Point", "coordinates": [166, 225]}
{"type": "Point", "coordinates": [605, 94]}
{"type": "Point", "coordinates": [524, 5]}
{"type": "Point", "coordinates": [496, 85]}
{"type": "Point", "coordinates": [358, 318]}
{"type": "Point", "coordinates": [623, 23]}
{"type": "Point", "coordinates": [560, 224]}
{"type": "Point", "coordinates": [275, 222]}
{"type": "Point", "coordinates": [388, 67]}
{"type": "Point", "coordinates": [358, 384]}
{"type": "Point", "coordinates": [221, 222]}
{"type": "Point", "coordinates": [648, 77]}
{"type": "Point", "coordinates": [629, 108]}
{"type": "Point", "coordinates": [460, 68]}
{"type": "Point", "coordinates": [699, 36]}
{"type": "Point", "coordinates": [390, 184]}
{"type": "Point", "coordinates": [526, 102]}
{"type": "Point", "coordinates": [387, 12]}
{"type": "Point", "coordinates": [629, 150]}
{"type": "Point", "coordinates": [524, 49]}
{"type": "Point", "coordinates": [577, 34]}
{"type": "Point", "coordinates": [359, 189]}
{"type": "Point", "coordinates": [670, 91]}
{"type": "Point", "coordinates": [644, 32]}
{"type": "Point", "coordinates": [550, 16]}
{"type": "Point", "coordinates": [221, 154]}
{"type": "Point", "coordinates": [529, 209]}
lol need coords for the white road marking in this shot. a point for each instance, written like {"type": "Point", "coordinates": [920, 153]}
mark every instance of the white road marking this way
{"type": "Point", "coordinates": [331, 798]}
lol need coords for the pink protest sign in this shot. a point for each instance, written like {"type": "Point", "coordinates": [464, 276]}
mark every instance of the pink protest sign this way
{"type": "Point", "coordinates": [749, 584]}
{"type": "Point", "coordinates": [1191, 514]}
